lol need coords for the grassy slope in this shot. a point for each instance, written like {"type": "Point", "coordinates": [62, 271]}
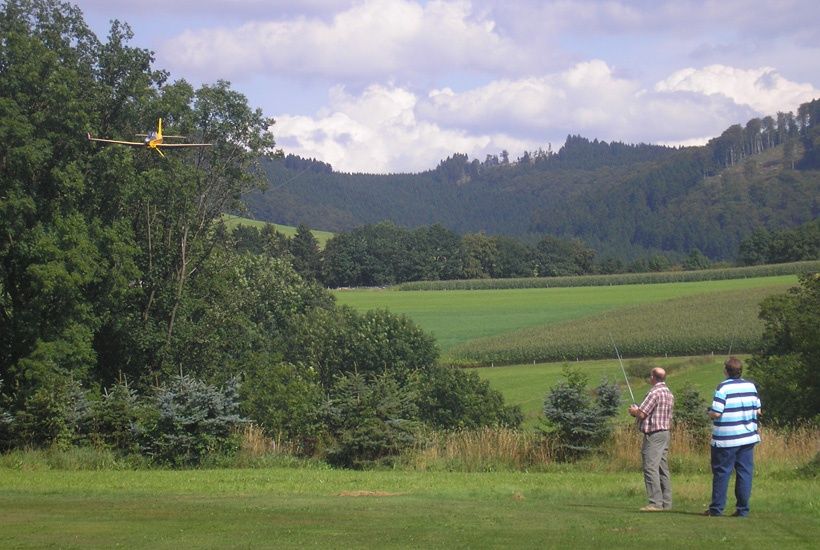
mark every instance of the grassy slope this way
{"type": "Point", "coordinates": [289, 508]}
{"type": "Point", "coordinates": [455, 317]}
{"type": "Point", "coordinates": [232, 221]}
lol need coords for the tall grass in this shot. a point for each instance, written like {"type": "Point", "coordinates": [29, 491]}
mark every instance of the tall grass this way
{"type": "Point", "coordinates": [780, 449]}
{"type": "Point", "coordinates": [72, 459]}
{"type": "Point", "coordinates": [258, 450]}
{"type": "Point", "coordinates": [499, 449]}
{"type": "Point", "coordinates": [483, 450]}
{"type": "Point", "coordinates": [783, 451]}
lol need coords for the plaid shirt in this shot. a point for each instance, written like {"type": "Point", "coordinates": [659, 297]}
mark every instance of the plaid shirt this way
{"type": "Point", "coordinates": [657, 405]}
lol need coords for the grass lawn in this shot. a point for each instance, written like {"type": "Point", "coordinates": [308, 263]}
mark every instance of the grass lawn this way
{"type": "Point", "coordinates": [297, 508]}
{"type": "Point", "coordinates": [457, 316]}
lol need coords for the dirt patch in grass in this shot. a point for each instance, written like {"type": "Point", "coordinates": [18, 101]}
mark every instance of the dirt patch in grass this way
{"type": "Point", "coordinates": [367, 494]}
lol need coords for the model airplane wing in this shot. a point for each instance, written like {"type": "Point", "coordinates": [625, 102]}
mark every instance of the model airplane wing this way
{"type": "Point", "coordinates": [163, 135]}
{"type": "Point", "coordinates": [135, 143]}
{"type": "Point", "coordinates": [184, 144]}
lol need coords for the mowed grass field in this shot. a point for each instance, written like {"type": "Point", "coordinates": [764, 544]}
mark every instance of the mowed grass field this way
{"type": "Point", "coordinates": [459, 318]}
{"type": "Point", "coordinates": [315, 508]}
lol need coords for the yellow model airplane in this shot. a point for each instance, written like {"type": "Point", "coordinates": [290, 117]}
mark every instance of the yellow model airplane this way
{"type": "Point", "coordinates": [153, 140]}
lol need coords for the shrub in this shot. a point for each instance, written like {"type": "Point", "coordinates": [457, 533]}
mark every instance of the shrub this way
{"type": "Point", "coordinates": [285, 400]}
{"type": "Point", "coordinates": [786, 368]}
{"type": "Point", "coordinates": [580, 422]}
{"type": "Point", "coordinates": [690, 409]}
{"type": "Point", "coordinates": [5, 421]}
{"type": "Point", "coordinates": [116, 416]}
{"type": "Point", "coordinates": [454, 398]}
{"type": "Point", "coordinates": [56, 413]}
{"type": "Point", "coordinates": [342, 341]}
{"type": "Point", "coordinates": [370, 419]}
{"type": "Point", "coordinates": [192, 420]}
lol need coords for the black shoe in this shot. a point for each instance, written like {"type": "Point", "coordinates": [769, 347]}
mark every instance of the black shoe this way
{"type": "Point", "coordinates": [738, 515]}
{"type": "Point", "coordinates": [710, 513]}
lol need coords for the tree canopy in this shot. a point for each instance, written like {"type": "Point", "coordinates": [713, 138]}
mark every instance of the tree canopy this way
{"type": "Point", "coordinates": [128, 314]}
{"type": "Point", "coordinates": [786, 369]}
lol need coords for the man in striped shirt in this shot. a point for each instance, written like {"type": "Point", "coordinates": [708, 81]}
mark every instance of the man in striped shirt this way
{"type": "Point", "coordinates": [655, 417]}
{"type": "Point", "coordinates": [734, 411]}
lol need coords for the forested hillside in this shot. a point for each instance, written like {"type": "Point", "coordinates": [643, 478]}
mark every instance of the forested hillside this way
{"type": "Point", "coordinates": [622, 200]}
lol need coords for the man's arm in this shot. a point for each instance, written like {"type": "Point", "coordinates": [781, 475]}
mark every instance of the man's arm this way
{"type": "Point", "coordinates": [640, 411]}
{"type": "Point", "coordinates": [718, 402]}
{"type": "Point", "coordinates": [636, 411]}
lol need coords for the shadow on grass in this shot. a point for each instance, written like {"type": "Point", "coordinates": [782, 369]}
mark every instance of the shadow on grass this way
{"type": "Point", "coordinates": [636, 510]}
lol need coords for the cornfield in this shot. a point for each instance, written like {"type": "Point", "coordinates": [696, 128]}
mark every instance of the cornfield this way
{"type": "Point", "coordinates": [695, 325]}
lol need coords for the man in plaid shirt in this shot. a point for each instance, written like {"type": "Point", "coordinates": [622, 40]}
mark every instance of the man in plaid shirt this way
{"type": "Point", "coordinates": [655, 417]}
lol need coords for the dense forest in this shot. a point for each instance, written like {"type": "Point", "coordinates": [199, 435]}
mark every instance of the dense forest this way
{"type": "Point", "coordinates": [624, 201]}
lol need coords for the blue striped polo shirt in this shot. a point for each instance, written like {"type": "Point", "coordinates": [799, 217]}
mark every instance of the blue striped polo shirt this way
{"type": "Point", "coordinates": [737, 401]}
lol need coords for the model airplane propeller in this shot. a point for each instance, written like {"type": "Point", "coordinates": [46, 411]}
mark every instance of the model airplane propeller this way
{"type": "Point", "coordinates": [153, 140]}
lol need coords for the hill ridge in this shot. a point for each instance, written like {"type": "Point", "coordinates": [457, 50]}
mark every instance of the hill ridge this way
{"type": "Point", "coordinates": [623, 200]}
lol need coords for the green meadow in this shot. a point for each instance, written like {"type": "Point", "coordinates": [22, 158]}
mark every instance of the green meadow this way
{"type": "Point", "coordinates": [319, 508]}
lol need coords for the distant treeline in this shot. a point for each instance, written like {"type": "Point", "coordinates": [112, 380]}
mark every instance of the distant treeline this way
{"type": "Point", "coordinates": [386, 254]}
{"type": "Point", "coordinates": [627, 201]}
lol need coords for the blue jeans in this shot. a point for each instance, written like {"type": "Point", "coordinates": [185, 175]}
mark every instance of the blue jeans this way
{"type": "Point", "coordinates": [724, 460]}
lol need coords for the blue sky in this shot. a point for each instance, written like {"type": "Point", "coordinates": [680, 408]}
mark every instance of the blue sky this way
{"type": "Point", "coordinates": [397, 85]}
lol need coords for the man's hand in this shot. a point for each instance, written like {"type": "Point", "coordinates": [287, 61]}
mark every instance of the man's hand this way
{"type": "Point", "coordinates": [635, 411]}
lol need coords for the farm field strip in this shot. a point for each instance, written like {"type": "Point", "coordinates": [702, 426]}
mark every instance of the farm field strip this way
{"type": "Point", "coordinates": [458, 316]}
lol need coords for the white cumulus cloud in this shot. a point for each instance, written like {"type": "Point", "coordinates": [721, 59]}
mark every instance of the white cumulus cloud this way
{"type": "Point", "coordinates": [581, 97]}
{"type": "Point", "coordinates": [373, 38]}
{"type": "Point", "coordinates": [763, 89]}
{"type": "Point", "coordinates": [378, 131]}
{"type": "Point", "coordinates": [387, 128]}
